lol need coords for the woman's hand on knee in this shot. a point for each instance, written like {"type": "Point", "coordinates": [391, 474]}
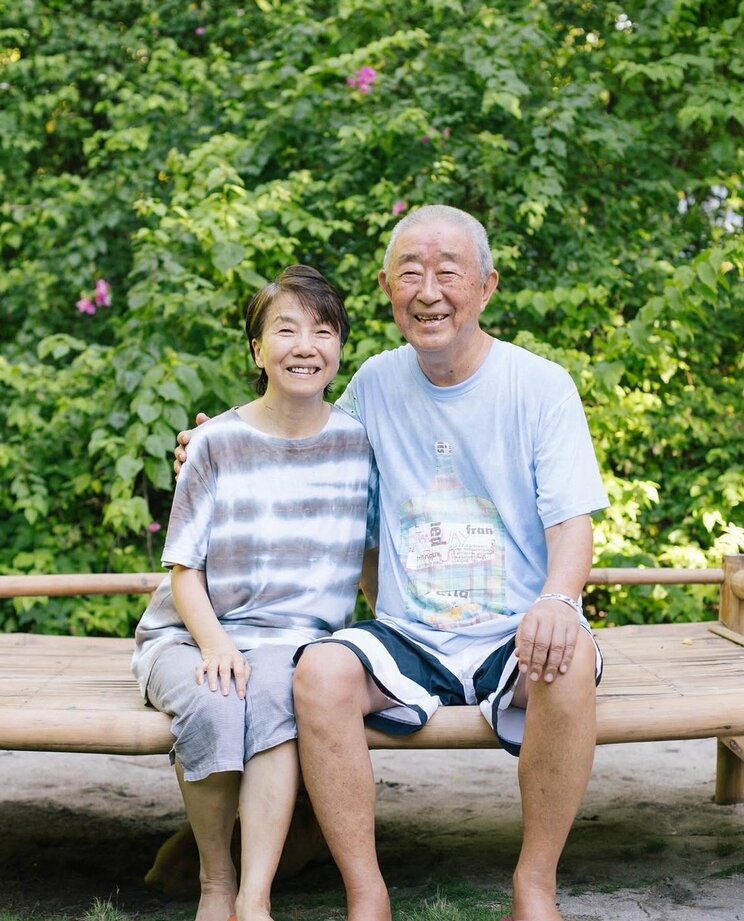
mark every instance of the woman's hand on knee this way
{"type": "Point", "coordinates": [220, 664]}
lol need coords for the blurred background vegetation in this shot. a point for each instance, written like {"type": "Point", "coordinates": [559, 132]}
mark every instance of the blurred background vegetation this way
{"type": "Point", "coordinates": [160, 160]}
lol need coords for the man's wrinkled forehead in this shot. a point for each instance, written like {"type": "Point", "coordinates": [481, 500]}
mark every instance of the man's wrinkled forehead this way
{"type": "Point", "coordinates": [419, 255]}
{"type": "Point", "coordinates": [439, 242]}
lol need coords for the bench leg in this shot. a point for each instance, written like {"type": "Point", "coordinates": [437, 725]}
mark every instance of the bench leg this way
{"type": "Point", "coordinates": [730, 770]}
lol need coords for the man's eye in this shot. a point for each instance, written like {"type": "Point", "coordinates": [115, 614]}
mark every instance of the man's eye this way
{"type": "Point", "coordinates": [326, 333]}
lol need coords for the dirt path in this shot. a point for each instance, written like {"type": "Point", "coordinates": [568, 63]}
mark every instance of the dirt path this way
{"type": "Point", "coordinates": [648, 843]}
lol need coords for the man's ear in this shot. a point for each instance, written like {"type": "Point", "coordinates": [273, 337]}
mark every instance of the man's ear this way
{"type": "Point", "coordinates": [489, 286]}
{"type": "Point", "coordinates": [383, 283]}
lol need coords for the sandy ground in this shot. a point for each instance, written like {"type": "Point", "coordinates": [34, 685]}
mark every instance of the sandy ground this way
{"type": "Point", "coordinates": [648, 843]}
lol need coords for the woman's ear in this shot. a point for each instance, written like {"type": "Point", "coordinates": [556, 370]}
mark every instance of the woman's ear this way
{"type": "Point", "coordinates": [256, 347]}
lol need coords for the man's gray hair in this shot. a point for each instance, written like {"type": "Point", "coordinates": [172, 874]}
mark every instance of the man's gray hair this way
{"type": "Point", "coordinates": [448, 215]}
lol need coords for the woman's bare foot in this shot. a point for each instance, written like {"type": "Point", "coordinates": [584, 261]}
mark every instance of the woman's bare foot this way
{"type": "Point", "coordinates": [216, 903]}
{"type": "Point", "coordinates": [250, 910]}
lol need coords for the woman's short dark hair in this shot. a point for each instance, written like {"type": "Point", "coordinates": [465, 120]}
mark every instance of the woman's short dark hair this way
{"type": "Point", "coordinates": [316, 295]}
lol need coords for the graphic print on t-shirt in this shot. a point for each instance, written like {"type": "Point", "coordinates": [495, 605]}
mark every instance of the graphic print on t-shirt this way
{"type": "Point", "coordinates": [452, 543]}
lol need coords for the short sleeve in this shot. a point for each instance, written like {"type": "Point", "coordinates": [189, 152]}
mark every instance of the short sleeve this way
{"type": "Point", "coordinates": [566, 470]}
{"type": "Point", "coordinates": [191, 513]}
{"type": "Point", "coordinates": [349, 402]}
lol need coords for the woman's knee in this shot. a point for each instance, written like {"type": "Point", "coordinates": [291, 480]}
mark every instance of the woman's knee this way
{"type": "Point", "coordinates": [213, 716]}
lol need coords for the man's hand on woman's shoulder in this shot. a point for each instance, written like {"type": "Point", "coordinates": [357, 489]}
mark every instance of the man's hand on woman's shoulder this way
{"type": "Point", "coordinates": [182, 440]}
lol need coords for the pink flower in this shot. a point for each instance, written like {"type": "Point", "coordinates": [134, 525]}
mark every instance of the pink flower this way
{"type": "Point", "coordinates": [399, 207]}
{"type": "Point", "coordinates": [85, 305]}
{"type": "Point", "coordinates": [446, 133]}
{"type": "Point", "coordinates": [362, 80]}
{"type": "Point", "coordinates": [154, 527]}
{"type": "Point", "coordinates": [103, 293]}
{"type": "Point", "coordinates": [200, 30]}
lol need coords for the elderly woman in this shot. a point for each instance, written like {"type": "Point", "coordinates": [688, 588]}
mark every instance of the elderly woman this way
{"type": "Point", "coordinates": [268, 528]}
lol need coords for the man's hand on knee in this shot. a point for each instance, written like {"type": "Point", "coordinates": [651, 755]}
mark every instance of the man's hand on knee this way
{"type": "Point", "coordinates": [546, 640]}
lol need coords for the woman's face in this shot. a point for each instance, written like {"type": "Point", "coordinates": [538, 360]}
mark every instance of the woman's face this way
{"type": "Point", "coordinates": [299, 354]}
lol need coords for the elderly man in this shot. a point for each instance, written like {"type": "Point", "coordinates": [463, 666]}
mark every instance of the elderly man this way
{"type": "Point", "coordinates": [487, 482]}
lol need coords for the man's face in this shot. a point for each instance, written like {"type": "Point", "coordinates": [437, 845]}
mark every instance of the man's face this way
{"type": "Point", "coordinates": [436, 290]}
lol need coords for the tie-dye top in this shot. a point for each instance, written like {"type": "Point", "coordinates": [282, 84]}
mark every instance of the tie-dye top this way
{"type": "Point", "coordinates": [280, 526]}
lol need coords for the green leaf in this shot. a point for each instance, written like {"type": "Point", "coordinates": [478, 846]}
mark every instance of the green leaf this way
{"type": "Point", "coordinates": [159, 444]}
{"type": "Point", "coordinates": [707, 274]}
{"type": "Point", "coordinates": [160, 473]}
{"type": "Point", "coordinates": [128, 466]}
{"type": "Point", "coordinates": [225, 256]}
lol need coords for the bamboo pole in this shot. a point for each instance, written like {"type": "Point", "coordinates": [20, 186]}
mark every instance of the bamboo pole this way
{"type": "Point", "coordinates": [144, 731]}
{"type": "Point", "coordinates": [138, 583]}
{"type": "Point", "coordinates": [62, 584]}
{"type": "Point", "coordinates": [730, 755]}
{"type": "Point", "coordinates": [732, 594]}
{"type": "Point", "coordinates": [655, 576]}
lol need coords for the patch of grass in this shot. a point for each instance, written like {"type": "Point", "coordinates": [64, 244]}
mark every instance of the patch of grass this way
{"type": "Point", "coordinates": [102, 910]}
{"type": "Point", "coordinates": [447, 901]}
{"type": "Point", "coordinates": [440, 908]}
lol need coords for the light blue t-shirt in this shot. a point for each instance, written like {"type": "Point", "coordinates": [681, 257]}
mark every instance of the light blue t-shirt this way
{"type": "Point", "coordinates": [470, 478]}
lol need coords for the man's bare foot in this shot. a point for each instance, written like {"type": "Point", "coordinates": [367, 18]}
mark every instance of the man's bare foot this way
{"type": "Point", "coordinates": [533, 899]}
{"type": "Point", "coordinates": [372, 905]}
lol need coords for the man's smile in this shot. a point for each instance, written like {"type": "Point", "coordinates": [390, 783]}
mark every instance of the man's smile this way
{"type": "Point", "coordinates": [433, 318]}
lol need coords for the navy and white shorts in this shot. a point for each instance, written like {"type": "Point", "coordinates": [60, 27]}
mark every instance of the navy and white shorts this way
{"type": "Point", "coordinates": [418, 680]}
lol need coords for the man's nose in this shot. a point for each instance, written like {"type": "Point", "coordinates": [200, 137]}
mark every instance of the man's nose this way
{"type": "Point", "coordinates": [430, 291]}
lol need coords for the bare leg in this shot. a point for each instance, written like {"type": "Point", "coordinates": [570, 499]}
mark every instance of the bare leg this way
{"type": "Point", "coordinates": [332, 695]}
{"type": "Point", "coordinates": [267, 798]}
{"type": "Point", "coordinates": [554, 768]}
{"type": "Point", "coordinates": [211, 807]}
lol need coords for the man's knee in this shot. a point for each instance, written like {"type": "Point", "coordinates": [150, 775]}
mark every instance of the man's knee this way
{"type": "Point", "coordinates": [574, 690]}
{"type": "Point", "coordinates": [585, 658]}
{"type": "Point", "coordinates": [327, 673]}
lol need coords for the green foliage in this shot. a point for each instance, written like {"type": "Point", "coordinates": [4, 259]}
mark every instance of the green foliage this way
{"type": "Point", "coordinates": [186, 153]}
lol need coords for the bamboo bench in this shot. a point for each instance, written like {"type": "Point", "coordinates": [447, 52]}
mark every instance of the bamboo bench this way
{"type": "Point", "coordinates": [661, 682]}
